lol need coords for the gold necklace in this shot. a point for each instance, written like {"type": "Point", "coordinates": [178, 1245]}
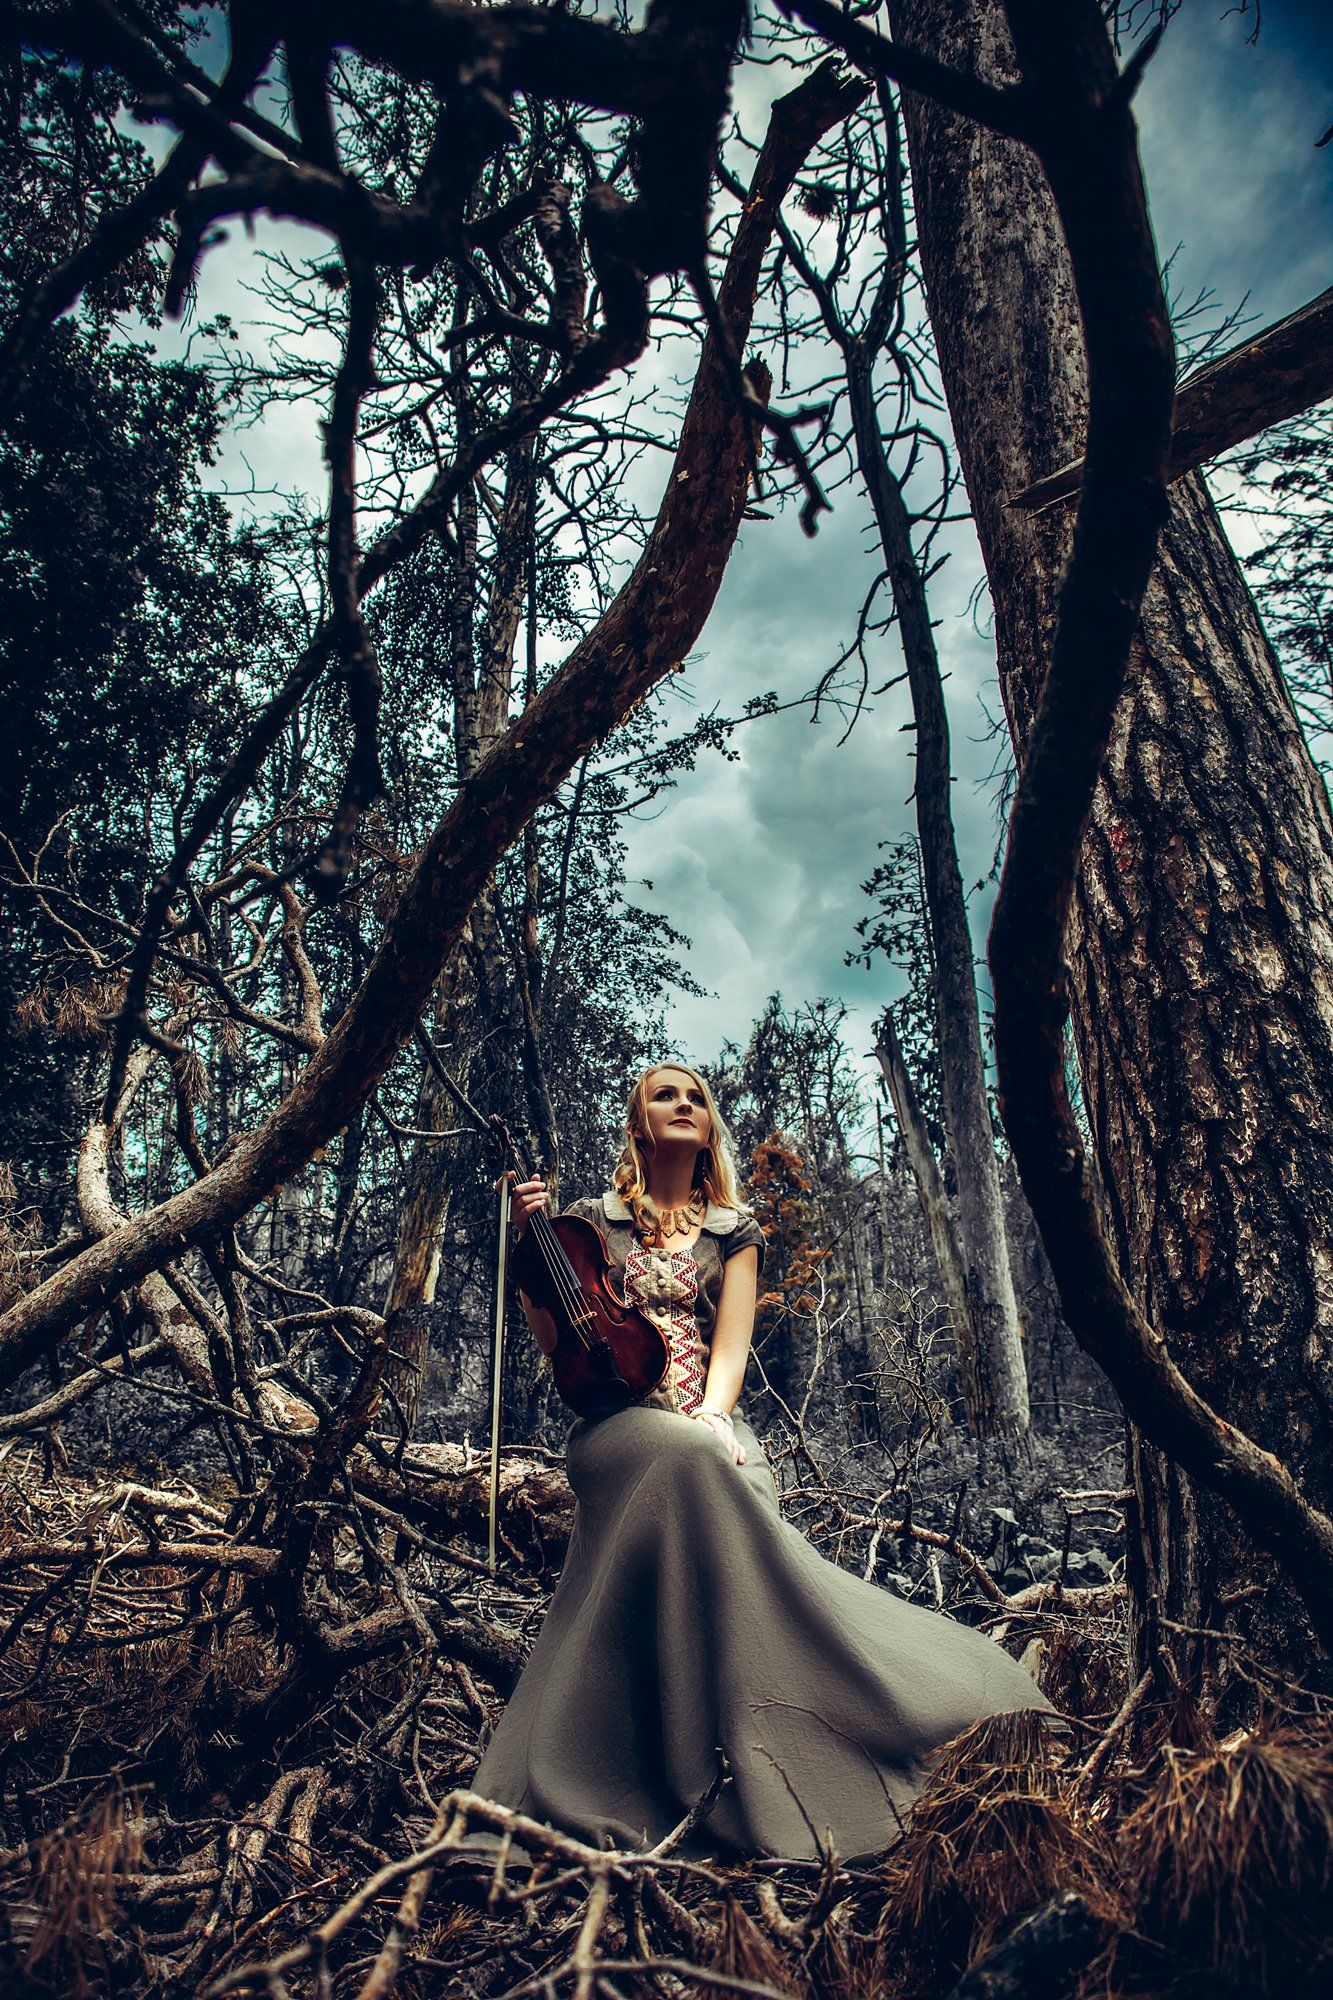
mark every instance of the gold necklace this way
{"type": "Point", "coordinates": [656, 1224]}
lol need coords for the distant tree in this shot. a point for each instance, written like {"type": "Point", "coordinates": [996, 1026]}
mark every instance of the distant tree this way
{"type": "Point", "coordinates": [1285, 498]}
{"type": "Point", "coordinates": [780, 1190]}
{"type": "Point", "coordinates": [136, 633]}
{"type": "Point", "coordinates": [854, 282]}
{"type": "Point", "coordinates": [899, 930]}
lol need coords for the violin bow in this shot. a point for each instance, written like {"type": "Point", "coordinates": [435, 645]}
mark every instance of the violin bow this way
{"type": "Point", "coordinates": [497, 1367]}
{"type": "Point", "coordinates": [496, 1132]}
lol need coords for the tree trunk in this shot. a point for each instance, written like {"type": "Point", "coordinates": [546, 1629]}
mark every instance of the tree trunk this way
{"type": "Point", "coordinates": [477, 975]}
{"type": "Point", "coordinates": [930, 1193]}
{"type": "Point", "coordinates": [1284, 371]}
{"type": "Point", "coordinates": [428, 1183]}
{"type": "Point", "coordinates": [1000, 1377]}
{"type": "Point", "coordinates": [1201, 947]}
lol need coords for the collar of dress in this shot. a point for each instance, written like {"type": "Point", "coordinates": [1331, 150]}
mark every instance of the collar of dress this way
{"type": "Point", "coordinates": [718, 1221]}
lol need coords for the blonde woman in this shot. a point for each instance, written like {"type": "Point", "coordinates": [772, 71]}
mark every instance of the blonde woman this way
{"type": "Point", "coordinates": [691, 1623]}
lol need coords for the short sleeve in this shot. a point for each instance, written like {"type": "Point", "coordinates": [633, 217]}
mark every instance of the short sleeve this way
{"type": "Point", "coordinates": [746, 1235]}
{"type": "Point", "coordinates": [589, 1209]}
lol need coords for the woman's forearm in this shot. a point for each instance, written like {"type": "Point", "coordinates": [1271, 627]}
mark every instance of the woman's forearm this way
{"type": "Point", "coordinates": [733, 1331]}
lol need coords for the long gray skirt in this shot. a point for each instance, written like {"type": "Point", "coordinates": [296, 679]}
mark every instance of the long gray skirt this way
{"type": "Point", "coordinates": [691, 1618]}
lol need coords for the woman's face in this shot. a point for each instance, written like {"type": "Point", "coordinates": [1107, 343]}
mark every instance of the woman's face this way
{"type": "Point", "coordinates": [676, 1111]}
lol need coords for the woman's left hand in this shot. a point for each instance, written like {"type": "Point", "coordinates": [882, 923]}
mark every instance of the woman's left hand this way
{"type": "Point", "coordinates": [722, 1427]}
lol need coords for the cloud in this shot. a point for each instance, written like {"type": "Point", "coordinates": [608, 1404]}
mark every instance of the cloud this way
{"type": "Point", "coordinates": [761, 863]}
{"type": "Point", "coordinates": [1228, 132]}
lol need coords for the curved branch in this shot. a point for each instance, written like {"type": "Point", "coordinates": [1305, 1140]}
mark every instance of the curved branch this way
{"type": "Point", "coordinates": [1089, 152]}
{"type": "Point", "coordinates": [651, 625]}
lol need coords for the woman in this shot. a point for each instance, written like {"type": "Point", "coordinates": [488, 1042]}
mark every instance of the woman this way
{"type": "Point", "coordinates": [691, 1622]}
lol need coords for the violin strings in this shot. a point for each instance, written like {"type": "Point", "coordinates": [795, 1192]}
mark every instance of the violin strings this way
{"type": "Point", "coordinates": [553, 1254]}
{"type": "Point", "coordinates": [568, 1289]}
{"type": "Point", "coordinates": [562, 1274]}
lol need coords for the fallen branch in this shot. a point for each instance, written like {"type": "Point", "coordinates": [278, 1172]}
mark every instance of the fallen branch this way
{"type": "Point", "coordinates": [651, 625]}
{"type": "Point", "coordinates": [1286, 369]}
{"type": "Point", "coordinates": [446, 1490]}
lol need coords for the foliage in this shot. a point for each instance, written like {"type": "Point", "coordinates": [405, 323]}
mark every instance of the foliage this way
{"type": "Point", "coordinates": [899, 930]}
{"type": "Point", "coordinates": [779, 1191]}
{"type": "Point", "coordinates": [1286, 479]}
{"type": "Point", "coordinates": [68, 159]}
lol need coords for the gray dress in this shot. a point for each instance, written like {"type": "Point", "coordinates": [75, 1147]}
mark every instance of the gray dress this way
{"type": "Point", "coordinates": [691, 1619]}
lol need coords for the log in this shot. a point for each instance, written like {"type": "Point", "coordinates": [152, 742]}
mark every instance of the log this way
{"type": "Point", "coordinates": [1044, 1954]}
{"type": "Point", "coordinates": [1284, 370]}
{"type": "Point", "coordinates": [443, 1489]}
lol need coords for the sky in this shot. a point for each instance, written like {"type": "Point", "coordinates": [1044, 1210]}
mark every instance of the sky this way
{"type": "Point", "coordinates": [760, 861]}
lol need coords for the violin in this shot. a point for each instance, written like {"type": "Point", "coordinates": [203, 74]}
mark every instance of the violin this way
{"type": "Point", "coordinates": [606, 1354]}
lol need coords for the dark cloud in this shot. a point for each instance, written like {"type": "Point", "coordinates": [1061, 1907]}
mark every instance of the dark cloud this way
{"type": "Point", "coordinates": [761, 863]}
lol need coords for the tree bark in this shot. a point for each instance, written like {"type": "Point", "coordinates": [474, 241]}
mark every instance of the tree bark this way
{"type": "Point", "coordinates": [427, 1184]}
{"type": "Point", "coordinates": [1283, 371]}
{"type": "Point", "coordinates": [1201, 947]}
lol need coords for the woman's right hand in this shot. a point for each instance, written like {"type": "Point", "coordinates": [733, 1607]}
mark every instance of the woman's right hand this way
{"type": "Point", "coordinates": [526, 1197]}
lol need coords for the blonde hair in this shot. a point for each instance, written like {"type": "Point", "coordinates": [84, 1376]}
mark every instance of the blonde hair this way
{"type": "Point", "coordinates": [715, 1167]}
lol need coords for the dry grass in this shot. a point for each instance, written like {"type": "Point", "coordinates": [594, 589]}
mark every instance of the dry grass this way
{"type": "Point", "coordinates": [1208, 1869]}
{"type": "Point", "coordinates": [1228, 1858]}
{"type": "Point", "coordinates": [1083, 1666]}
{"type": "Point", "coordinates": [80, 1012]}
{"type": "Point", "coordinates": [997, 1832]}
{"type": "Point", "coordinates": [744, 1951]}
{"type": "Point", "coordinates": [70, 1906]}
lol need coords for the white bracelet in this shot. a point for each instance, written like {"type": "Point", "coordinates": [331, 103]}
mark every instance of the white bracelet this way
{"type": "Point", "coordinates": [704, 1411]}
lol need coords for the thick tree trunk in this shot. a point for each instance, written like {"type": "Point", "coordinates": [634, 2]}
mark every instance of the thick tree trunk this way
{"type": "Point", "coordinates": [1283, 371]}
{"type": "Point", "coordinates": [446, 1490]}
{"type": "Point", "coordinates": [1201, 949]}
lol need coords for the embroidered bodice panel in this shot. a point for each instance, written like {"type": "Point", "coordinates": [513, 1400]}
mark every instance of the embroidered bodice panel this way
{"type": "Point", "coordinates": [678, 1290]}
{"type": "Point", "coordinates": [664, 1285]}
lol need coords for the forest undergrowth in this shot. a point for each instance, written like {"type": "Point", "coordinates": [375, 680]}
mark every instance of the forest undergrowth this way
{"type": "Point", "coordinates": [190, 1806]}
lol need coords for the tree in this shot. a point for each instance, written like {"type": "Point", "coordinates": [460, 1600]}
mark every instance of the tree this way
{"type": "Point", "coordinates": [652, 622]}
{"type": "Point", "coordinates": [1204, 915]}
{"type": "Point", "coordinates": [1284, 482]}
{"type": "Point", "coordinates": [865, 324]}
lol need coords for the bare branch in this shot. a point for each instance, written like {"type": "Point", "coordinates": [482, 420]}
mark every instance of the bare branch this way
{"type": "Point", "coordinates": [1282, 372]}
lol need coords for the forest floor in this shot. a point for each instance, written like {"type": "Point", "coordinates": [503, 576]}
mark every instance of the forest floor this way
{"type": "Point", "coordinates": [189, 1804]}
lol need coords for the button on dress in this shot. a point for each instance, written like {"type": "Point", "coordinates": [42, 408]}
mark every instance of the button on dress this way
{"type": "Point", "coordinates": [691, 1618]}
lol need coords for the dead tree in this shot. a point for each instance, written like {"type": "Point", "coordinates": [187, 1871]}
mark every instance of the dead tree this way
{"type": "Point", "coordinates": [868, 343]}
